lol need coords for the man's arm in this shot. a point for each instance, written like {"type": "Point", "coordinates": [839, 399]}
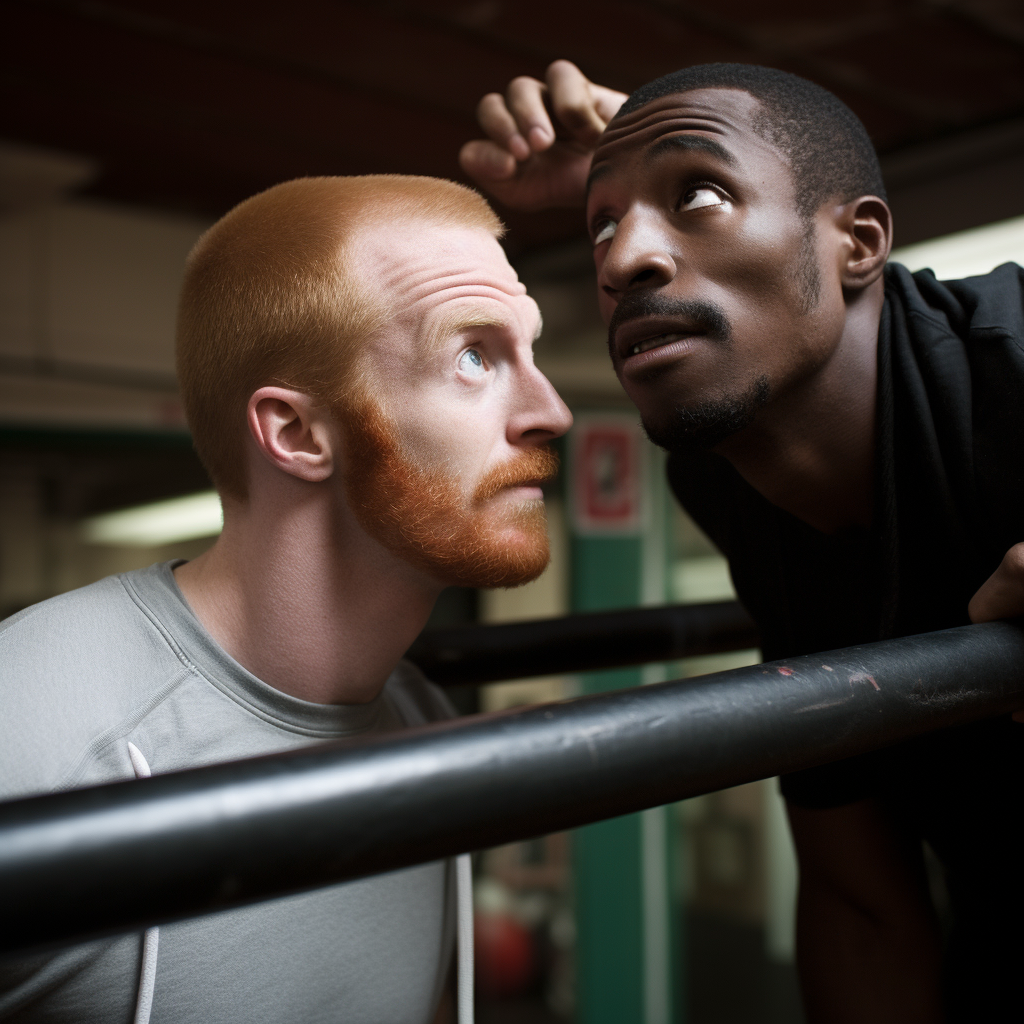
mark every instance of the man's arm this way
{"type": "Point", "coordinates": [1001, 596]}
{"type": "Point", "coordinates": [540, 138]}
{"type": "Point", "coordinates": [868, 944]}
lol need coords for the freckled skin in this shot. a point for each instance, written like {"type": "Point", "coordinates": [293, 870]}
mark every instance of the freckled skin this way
{"type": "Point", "coordinates": [446, 453]}
{"type": "Point", "coordinates": [742, 256]}
{"type": "Point", "coordinates": [462, 422]}
{"type": "Point", "coordinates": [297, 563]}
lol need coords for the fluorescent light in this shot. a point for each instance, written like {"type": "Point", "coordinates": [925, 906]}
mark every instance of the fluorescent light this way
{"type": "Point", "coordinates": [967, 252]}
{"type": "Point", "coordinates": [163, 522]}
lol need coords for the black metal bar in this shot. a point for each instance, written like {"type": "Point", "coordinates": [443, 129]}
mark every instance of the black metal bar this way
{"type": "Point", "coordinates": [578, 643]}
{"type": "Point", "coordinates": [123, 856]}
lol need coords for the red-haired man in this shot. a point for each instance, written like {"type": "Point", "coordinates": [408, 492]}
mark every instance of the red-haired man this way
{"type": "Point", "coordinates": [355, 357]}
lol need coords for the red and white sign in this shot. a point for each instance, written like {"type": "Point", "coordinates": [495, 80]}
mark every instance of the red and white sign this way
{"type": "Point", "coordinates": [607, 475]}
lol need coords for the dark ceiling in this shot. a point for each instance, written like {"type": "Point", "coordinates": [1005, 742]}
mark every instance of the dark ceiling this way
{"type": "Point", "coordinates": [195, 104]}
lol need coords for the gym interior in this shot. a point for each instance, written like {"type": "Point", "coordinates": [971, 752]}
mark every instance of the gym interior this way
{"type": "Point", "coordinates": [131, 125]}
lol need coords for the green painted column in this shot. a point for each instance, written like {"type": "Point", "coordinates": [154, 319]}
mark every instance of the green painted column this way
{"type": "Point", "coordinates": [607, 856]}
{"type": "Point", "coordinates": [628, 914]}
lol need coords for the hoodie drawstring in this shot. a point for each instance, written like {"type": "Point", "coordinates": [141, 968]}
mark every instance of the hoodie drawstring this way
{"type": "Point", "coordinates": [464, 903]}
{"type": "Point", "coordinates": [151, 937]}
{"type": "Point", "coordinates": [464, 917]}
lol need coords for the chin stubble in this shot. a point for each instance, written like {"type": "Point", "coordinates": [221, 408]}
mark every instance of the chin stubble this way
{"type": "Point", "coordinates": [705, 425]}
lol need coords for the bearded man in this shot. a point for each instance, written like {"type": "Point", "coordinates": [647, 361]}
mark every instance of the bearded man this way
{"type": "Point", "coordinates": [355, 358]}
{"type": "Point", "coordinates": [851, 437]}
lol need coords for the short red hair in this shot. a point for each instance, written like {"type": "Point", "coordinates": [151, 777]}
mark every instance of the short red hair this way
{"type": "Point", "coordinates": [270, 298]}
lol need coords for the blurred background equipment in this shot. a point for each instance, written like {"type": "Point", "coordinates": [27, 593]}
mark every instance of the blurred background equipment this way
{"type": "Point", "coordinates": [128, 126]}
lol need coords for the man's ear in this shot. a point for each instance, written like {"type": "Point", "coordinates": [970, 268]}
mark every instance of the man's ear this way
{"type": "Point", "coordinates": [292, 432]}
{"type": "Point", "coordinates": [866, 226]}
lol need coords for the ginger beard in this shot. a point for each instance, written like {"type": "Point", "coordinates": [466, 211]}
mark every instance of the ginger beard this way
{"type": "Point", "coordinates": [423, 516]}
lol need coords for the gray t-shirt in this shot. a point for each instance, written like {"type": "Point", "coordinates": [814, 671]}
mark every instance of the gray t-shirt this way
{"type": "Point", "coordinates": [125, 661]}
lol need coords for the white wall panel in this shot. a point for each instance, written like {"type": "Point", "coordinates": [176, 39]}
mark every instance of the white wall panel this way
{"type": "Point", "coordinates": [114, 281]}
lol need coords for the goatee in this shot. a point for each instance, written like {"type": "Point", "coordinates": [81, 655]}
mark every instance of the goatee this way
{"type": "Point", "coordinates": [704, 424]}
{"type": "Point", "coordinates": [707, 424]}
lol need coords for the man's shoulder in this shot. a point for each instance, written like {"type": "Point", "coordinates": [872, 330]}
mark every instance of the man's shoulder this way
{"type": "Point", "coordinates": [70, 668]}
{"type": "Point", "coordinates": [62, 628]}
{"type": "Point", "coordinates": [980, 309]}
{"type": "Point", "coordinates": [97, 621]}
{"type": "Point", "coordinates": [994, 301]}
{"type": "Point", "coordinates": [54, 609]}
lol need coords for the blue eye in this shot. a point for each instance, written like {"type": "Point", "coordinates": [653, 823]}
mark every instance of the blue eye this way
{"type": "Point", "coordinates": [472, 363]}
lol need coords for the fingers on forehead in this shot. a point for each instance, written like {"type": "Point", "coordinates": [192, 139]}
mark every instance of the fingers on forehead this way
{"type": "Point", "coordinates": [572, 98]}
{"type": "Point", "coordinates": [495, 119]}
{"type": "Point", "coordinates": [525, 98]}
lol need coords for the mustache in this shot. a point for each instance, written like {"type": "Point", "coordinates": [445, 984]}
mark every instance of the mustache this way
{"type": "Point", "coordinates": [707, 317]}
{"type": "Point", "coordinates": [534, 465]}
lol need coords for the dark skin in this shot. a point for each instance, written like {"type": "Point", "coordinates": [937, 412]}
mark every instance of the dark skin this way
{"type": "Point", "coordinates": [720, 226]}
{"type": "Point", "coordinates": [714, 221]}
{"type": "Point", "coordinates": [741, 255]}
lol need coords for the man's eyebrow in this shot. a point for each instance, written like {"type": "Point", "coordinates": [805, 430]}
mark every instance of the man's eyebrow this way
{"type": "Point", "coordinates": [448, 325]}
{"type": "Point", "coordinates": [687, 141]}
{"type": "Point", "coordinates": [668, 144]}
{"type": "Point", "coordinates": [595, 173]}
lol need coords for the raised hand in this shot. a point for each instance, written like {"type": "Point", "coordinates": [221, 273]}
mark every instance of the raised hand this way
{"type": "Point", "coordinates": [540, 138]}
{"type": "Point", "coordinates": [1001, 596]}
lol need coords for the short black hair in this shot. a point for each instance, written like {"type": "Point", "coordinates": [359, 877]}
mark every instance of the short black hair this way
{"type": "Point", "coordinates": [827, 146]}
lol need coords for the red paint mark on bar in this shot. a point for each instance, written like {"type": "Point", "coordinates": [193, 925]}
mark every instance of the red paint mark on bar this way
{"type": "Point", "coordinates": [784, 671]}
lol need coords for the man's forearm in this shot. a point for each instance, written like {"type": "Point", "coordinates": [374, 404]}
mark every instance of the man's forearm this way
{"type": "Point", "coordinates": [857, 968]}
{"type": "Point", "coordinates": [868, 944]}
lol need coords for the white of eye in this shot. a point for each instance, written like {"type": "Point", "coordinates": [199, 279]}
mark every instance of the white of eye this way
{"type": "Point", "coordinates": [702, 197]}
{"type": "Point", "coordinates": [608, 231]}
{"type": "Point", "coordinates": [472, 363]}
